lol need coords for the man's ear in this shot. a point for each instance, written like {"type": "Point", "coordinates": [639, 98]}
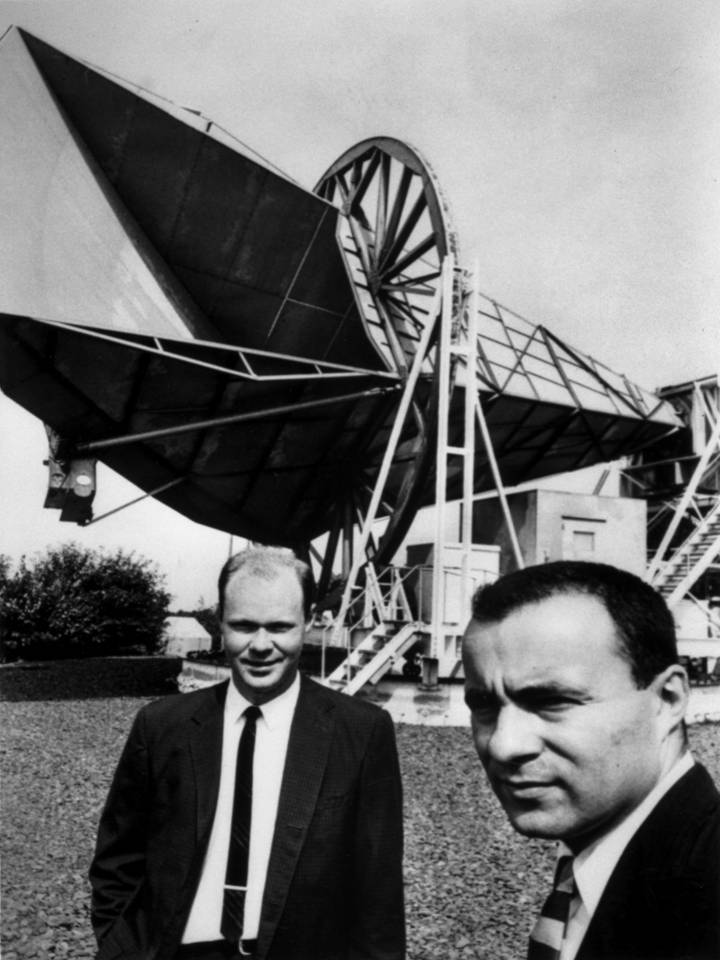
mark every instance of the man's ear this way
{"type": "Point", "coordinates": [673, 690]}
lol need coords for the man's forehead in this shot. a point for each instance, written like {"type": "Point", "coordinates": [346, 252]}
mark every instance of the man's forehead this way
{"type": "Point", "coordinates": [568, 606]}
{"type": "Point", "coordinates": [269, 575]}
{"type": "Point", "coordinates": [568, 626]}
{"type": "Point", "coordinates": [281, 584]}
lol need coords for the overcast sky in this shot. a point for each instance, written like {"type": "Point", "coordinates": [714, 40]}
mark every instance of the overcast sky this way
{"type": "Point", "coordinates": [577, 142]}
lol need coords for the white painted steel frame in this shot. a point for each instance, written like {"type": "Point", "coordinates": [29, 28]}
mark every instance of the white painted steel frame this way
{"type": "Point", "coordinates": [444, 360]}
{"type": "Point", "coordinates": [359, 557]}
{"type": "Point", "coordinates": [709, 457]}
{"type": "Point", "coordinates": [470, 352]}
{"type": "Point", "coordinates": [159, 346]}
{"type": "Point", "coordinates": [162, 432]}
{"type": "Point", "coordinates": [711, 448]}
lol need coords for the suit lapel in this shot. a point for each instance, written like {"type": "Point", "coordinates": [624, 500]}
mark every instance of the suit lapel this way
{"type": "Point", "coordinates": [205, 743]}
{"type": "Point", "coordinates": [629, 907]}
{"type": "Point", "coordinates": [308, 747]}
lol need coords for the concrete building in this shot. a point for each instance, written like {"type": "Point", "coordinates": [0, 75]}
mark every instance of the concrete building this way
{"type": "Point", "coordinates": [185, 635]}
{"type": "Point", "coordinates": [558, 525]}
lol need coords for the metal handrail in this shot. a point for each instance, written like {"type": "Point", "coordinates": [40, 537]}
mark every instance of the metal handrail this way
{"type": "Point", "coordinates": [359, 594]}
{"type": "Point", "coordinates": [681, 553]}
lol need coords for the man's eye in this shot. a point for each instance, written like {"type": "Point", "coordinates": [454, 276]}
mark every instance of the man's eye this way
{"type": "Point", "coordinates": [480, 703]}
{"type": "Point", "coordinates": [551, 705]}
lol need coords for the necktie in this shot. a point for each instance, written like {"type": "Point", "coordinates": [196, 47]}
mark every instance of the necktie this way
{"type": "Point", "coordinates": [231, 924]}
{"type": "Point", "coordinates": [547, 935]}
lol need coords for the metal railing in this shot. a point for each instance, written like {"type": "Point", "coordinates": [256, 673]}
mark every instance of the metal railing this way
{"type": "Point", "coordinates": [398, 593]}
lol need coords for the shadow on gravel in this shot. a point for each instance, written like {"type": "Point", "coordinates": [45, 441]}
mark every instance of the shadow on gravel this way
{"type": "Point", "coordinates": [90, 679]}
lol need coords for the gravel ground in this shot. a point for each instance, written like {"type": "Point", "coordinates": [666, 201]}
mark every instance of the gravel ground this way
{"type": "Point", "coordinates": [472, 884]}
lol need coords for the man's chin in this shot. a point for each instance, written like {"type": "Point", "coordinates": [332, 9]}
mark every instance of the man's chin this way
{"type": "Point", "coordinates": [534, 827]}
{"type": "Point", "coordinates": [260, 678]}
{"type": "Point", "coordinates": [262, 681]}
{"type": "Point", "coordinates": [537, 822]}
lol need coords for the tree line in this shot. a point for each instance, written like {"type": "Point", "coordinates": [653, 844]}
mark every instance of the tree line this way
{"type": "Point", "coordinates": [76, 602]}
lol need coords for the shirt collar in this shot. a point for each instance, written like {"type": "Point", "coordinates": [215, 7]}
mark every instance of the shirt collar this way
{"type": "Point", "coordinates": [277, 711]}
{"type": "Point", "coordinates": [593, 866]}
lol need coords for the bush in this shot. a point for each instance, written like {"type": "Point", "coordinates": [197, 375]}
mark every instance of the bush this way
{"type": "Point", "coordinates": [77, 602]}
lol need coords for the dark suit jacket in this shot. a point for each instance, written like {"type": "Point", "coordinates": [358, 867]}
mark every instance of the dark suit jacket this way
{"type": "Point", "coordinates": [662, 901]}
{"type": "Point", "coordinates": [334, 883]}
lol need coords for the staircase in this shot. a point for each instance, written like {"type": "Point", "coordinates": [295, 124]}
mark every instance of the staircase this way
{"type": "Point", "coordinates": [374, 655]}
{"type": "Point", "coordinates": [678, 574]}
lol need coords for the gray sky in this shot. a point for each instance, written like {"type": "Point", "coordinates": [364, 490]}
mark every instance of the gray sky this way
{"type": "Point", "coordinates": [577, 143]}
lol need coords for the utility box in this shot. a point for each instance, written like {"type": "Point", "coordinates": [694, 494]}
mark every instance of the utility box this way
{"type": "Point", "coordinates": [484, 567]}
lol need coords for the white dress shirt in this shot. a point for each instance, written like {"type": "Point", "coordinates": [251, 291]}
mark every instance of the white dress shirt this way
{"type": "Point", "coordinates": [593, 866]}
{"type": "Point", "coordinates": [271, 742]}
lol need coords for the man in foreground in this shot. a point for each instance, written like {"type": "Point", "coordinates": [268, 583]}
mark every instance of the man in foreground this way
{"type": "Point", "coordinates": [258, 818]}
{"type": "Point", "coordinates": [577, 704]}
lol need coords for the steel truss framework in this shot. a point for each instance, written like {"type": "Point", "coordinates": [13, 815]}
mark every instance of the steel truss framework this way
{"type": "Point", "coordinates": [268, 360]}
{"type": "Point", "coordinates": [468, 335]}
{"type": "Point", "coordinates": [682, 486]}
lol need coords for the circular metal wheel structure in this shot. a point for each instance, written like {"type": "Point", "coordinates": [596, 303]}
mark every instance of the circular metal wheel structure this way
{"type": "Point", "coordinates": [398, 234]}
{"type": "Point", "coordinates": [395, 234]}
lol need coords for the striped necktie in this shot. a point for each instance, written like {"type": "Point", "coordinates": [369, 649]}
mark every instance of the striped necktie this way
{"type": "Point", "coordinates": [547, 935]}
{"type": "Point", "coordinates": [231, 924]}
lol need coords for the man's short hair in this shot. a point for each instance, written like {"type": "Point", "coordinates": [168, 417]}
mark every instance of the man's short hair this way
{"type": "Point", "coordinates": [644, 625]}
{"type": "Point", "coordinates": [265, 562]}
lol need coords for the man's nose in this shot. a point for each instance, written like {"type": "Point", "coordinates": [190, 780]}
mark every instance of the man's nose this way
{"type": "Point", "coordinates": [261, 641]}
{"type": "Point", "coordinates": [515, 738]}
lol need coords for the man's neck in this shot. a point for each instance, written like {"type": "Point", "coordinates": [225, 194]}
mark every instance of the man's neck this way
{"type": "Point", "coordinates": [666, 778]}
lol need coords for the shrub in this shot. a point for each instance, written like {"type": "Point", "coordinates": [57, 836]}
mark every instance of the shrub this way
{"type": "Point", "coordinates": [76, 602]}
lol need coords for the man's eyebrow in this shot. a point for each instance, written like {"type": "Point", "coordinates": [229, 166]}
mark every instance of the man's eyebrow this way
{"type": "Point", "coordinates": [546, 688]}
{"type": "Point", "coordinates": [248, 621]}
{"type": "Point", "coordinates": [529, 693]}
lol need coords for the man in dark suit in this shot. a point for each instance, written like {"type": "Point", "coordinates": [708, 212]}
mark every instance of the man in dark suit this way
{"type": "Point", "coordinates": [260, 817]}
{"type": "Point", "coordinates": [577, 709]}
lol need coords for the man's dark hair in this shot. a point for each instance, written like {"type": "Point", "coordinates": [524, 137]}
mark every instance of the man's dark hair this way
{"type": "Point", "coordinates": [266, 563]}
{"type": "Point", "coordinates": [644, 625]}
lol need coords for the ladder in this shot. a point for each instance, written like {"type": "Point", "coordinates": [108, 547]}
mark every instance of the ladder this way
{"type": "Point", "coordinates": [677, 575]}
{"type": "Point", "coordinates": [374, 655]}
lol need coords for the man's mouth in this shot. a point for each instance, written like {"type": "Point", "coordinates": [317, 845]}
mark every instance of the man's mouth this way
{"type": "Point", "coordinates": [523, 786]}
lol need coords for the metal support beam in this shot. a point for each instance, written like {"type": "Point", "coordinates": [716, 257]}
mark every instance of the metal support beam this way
{"type": "Point", "coordinates": [487, 441]}
{"type": "Point", "coordinates": [192, 351]}
{"type": "Point", "coordinates": [225, 421]}
{"type": "Point", "coordinates": [444, 360]}
{"type": "Point", "coordinates": [471, 354]}
{"type": "Point", "coordinates": [359, 554]}
{"type": "Point", "coordinates": [710, 449]}
{"type": "Point", "coordinates": [144, 496]}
